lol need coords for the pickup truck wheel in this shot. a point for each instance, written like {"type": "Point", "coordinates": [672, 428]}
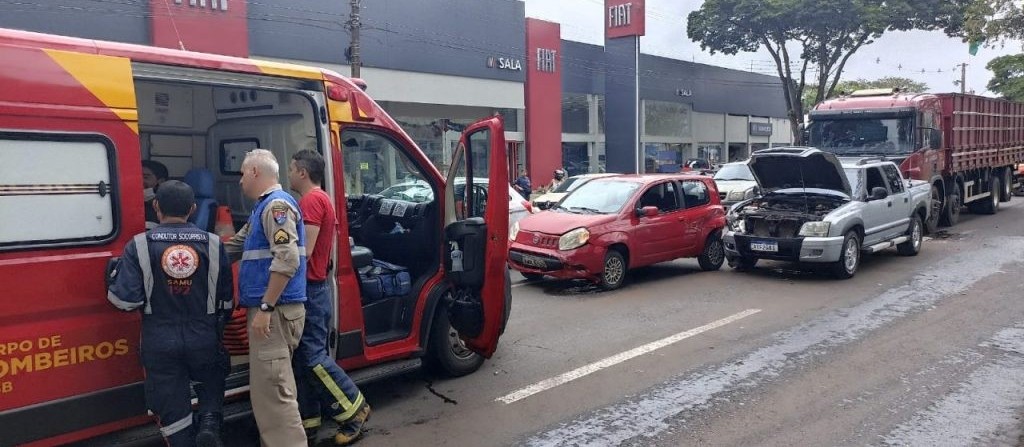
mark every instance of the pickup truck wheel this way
{"type": "Point", "coordinates": [849, 258]}
{"type": "Point", "coordinates": [951, 211]}
{"type": "Point", "coordinates": [447, 353]}
{"type": "Point", "coordinates": [932, 225]}
{"type": "Point", "coordinates": [913, 246]}
{"type": "Point", "coordinates": [614, 274]}
{"type": "Point", "coordinates": [743, 264]}
{"type": "Point", "coordinates": [713, 255]}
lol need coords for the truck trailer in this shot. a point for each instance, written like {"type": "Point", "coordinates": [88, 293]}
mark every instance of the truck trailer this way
{"type": "Point", "coordinates": [966, 146]}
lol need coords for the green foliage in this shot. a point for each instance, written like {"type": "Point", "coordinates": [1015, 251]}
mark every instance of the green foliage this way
{"type": "Point", "coordinates": [813, 33]}
{"type": "Point", "coordinates": [994, 21]}
{"type": "Point", "coordinates": [1008, 76]}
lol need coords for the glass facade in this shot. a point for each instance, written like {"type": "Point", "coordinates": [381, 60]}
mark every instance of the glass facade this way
{"type": "Point", "coordinates": [575, 113]}
{"type": "Point", "coordinates": [666, 119]}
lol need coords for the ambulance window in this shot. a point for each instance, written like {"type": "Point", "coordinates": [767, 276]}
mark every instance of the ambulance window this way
{"type": "Point", "coordinates": [375, 164]}
{"type": "Point", "coordinates": [62, 189]}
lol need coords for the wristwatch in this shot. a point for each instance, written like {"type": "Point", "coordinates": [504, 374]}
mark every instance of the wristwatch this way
{"type": "Point", "coordinates": [264, 307]}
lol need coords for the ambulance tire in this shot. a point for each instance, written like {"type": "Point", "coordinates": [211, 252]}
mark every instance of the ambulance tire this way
{"type": "Point", "coordinates": [447, 355]}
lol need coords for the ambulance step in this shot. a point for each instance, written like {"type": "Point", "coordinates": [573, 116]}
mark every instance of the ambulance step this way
{"type": "Point", "coordinates": [375, 373]}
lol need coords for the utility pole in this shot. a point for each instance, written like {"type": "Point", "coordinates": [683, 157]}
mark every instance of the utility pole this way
{"type": "Point", "coordinates": [353, 26]}
{"type": "Point", "coordinates": [963, 78]}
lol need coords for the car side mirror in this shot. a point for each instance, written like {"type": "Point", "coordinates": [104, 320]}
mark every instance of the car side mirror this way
{"type": "Point", "coordinates": [878, 193]}
{"type": "Point", "coordinates": [647, 211]}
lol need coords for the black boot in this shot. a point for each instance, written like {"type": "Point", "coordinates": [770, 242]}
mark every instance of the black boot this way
{"type": "Point", "coordinates": [209, 430]}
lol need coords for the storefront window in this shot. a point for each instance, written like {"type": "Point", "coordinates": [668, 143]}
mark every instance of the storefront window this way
{"type": "Point", "coordinates": [575, 113]}
{"type": "Point", "coordinates": [710, 151]}
{"type": "Point", "coordinates": [511, 117]}
{"type": "Point", "coordinates": [575, 158]}
{"type": "Point", "coordinates": [666, 119]}
{"type": "Point", "coordinates": [600, 114]}
{"type": "Point", "coordinates": [664, 157]}
{"type": "Point", "coordinates": [437, 137]}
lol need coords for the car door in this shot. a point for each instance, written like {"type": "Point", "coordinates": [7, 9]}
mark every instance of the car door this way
{"type": "Point", "coordinates": [476, 240]}
{"type": "Point", "coordinates": [899, 196]}
{"type": "Point", "coordinates": [693, 220]}
{"type": "Point", "coordinates": [876, 212]}
{"type": "Point", "coordinates": [656, 236]}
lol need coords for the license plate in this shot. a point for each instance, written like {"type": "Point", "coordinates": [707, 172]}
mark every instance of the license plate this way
{"type": "Point", "coordinates": [768, 246]}
{"type": "Point", "coordinates": [533, 261]}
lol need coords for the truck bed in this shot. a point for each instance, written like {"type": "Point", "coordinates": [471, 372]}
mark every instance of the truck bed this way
{"type": "Point", "coordinates": [982, 132]}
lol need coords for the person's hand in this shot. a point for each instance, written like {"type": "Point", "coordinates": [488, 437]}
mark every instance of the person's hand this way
{"type": "Point", "coordinates": [261, 324]}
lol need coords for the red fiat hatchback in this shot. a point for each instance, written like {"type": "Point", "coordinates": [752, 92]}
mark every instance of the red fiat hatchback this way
{"type": "Point", "coordinates": [613, 224]}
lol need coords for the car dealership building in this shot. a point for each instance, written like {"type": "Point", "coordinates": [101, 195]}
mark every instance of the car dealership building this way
{"type": "Point", "coordinates": [437, 65]}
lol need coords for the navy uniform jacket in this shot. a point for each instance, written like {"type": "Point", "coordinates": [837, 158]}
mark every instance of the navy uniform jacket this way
{"type": "Point", "coordinates": [177, 274]}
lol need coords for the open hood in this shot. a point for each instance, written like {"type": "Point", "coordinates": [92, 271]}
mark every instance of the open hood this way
{"type": "Point", "coordinates": [798, 167]}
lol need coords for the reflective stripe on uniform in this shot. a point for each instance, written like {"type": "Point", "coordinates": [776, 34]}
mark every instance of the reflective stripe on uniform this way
{"type": "Point", "coordinates": [214, 273]}
{"type": "Point", "coordinates": [168, 430]}
{"type": "Point", "coordinates": [142, 248]}
{"type": "Point", "coordinates": [250, 255]}
{"type": "Point", "coordinates": [121, 304]}
{"type": "Point", "coordinates": [349, 408]}
{"type": "Point", "coordinates": [311, 422]}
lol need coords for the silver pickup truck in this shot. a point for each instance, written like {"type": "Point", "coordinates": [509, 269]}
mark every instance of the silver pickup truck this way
{"type": "Point", "coordinates": [817, 208]}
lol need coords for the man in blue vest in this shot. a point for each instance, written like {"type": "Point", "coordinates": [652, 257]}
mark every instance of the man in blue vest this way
{"type": "Point", "coordinates": [272, 286]}
{"type": "Point", "coordinates": [180, 277]}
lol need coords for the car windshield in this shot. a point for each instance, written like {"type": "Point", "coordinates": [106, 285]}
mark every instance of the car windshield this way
{"type": "Point", "coordinates": [734, 172]}
{"type": "Point", "coordinates": [569, 184]}
{"type": "Point", "coordinates": [863, 136]}
{"type": "Point", "coordinates": [601, 197]}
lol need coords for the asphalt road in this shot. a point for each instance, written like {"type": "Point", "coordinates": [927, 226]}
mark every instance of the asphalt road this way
{"type": "Point", "coordinates": [927, 350]}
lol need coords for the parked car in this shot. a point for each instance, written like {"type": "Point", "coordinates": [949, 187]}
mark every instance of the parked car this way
{"type": "Point", "coordinates": [613, 224]}
{"type": "Point", "coordinates": [735, 183]}
{"type": "Point", "coordinates": [418, 191]}
{"type": "Point", "coordinates": [819, 209]}
{"type": "Point", "coordinates": [550, 198]}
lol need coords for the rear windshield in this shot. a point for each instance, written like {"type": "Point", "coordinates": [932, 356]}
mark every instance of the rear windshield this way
{"type": "Point", "coordinates": [604, 197]}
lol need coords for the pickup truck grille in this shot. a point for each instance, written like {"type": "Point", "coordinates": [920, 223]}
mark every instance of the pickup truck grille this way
{"type": "Point", "coordinates": [773, 227]}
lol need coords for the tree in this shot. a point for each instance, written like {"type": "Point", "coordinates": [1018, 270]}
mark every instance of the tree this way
{"type": "Point", "coordinates": [994, 20]}
{"type": "Point", "coordinates": [823, 34]}
{"type": "Point", "coordinates": [904, 84]}
{"type": "Point", "coordinates": [1007, 76]}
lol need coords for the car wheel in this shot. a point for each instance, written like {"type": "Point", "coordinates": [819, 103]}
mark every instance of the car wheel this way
{"type": "Point", "coordinates": [849, 258]}
{"type": "Point", "coordinates": [912, 246]}
{"type": "Point", "coordinates": [448, 354]}
{"type": "Point", "coordinates": [614, 274]}
{"type": "Point", "coordinates": [532, 276]}
{"type": "Point", "coordinates": [714, 253]}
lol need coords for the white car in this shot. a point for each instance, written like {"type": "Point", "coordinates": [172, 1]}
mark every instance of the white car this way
{"type": "Point", "coordinates": [735, 183]}
{"type": "Point", "coordinates": [550, 198]}
{"type": "Point", "coordinates": [419, 191]}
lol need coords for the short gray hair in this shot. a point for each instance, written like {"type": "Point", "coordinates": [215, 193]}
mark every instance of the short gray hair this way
{"type": "Point", "coordinates": [263, 160]}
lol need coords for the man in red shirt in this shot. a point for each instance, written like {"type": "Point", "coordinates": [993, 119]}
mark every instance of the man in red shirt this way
{"type": "Point", "coordinates": [322, 384]}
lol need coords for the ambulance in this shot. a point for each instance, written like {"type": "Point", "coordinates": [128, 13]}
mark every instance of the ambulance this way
{"type": "Point", "coordinates": [78, 117]}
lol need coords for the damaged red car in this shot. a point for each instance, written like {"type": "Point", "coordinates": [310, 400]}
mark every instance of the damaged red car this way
{"type": "Point", "coordinates": [611, 225]}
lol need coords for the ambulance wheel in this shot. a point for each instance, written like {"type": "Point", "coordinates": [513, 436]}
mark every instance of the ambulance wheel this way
{"type": "Point", "coordinates": [447, 354]}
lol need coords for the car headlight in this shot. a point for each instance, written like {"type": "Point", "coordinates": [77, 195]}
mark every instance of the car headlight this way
{"type": "Point", "coordinates": [815, 229]}
{"type": "Point", "coordinates": [738, 225]}
{"type": "Point", "coordinates": [573, 239]}
{"type": "Point", "coordinates": [513, 232]}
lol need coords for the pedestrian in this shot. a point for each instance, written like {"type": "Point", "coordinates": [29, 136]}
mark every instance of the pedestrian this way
{"type": "Point", "coordinates": [153, 174]}
{"type": "Point", "coordinates": [272, 288]}
{"type": "Point", "coordinates": [557, 178]}
{"type": "Point", "coordinates": [522, 184]}
{"type": "Point", "coordinates": [322, 384]}
{"type": "Point", "coordinates": [168, 272]}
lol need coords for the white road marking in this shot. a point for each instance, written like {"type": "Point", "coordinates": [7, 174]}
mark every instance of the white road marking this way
{"type": "Point", "coordinates": [659, 410]}
{"type": "Point", "coordinates": [582, 371]}
{"type": "Point", "coordinates": [982, 411]}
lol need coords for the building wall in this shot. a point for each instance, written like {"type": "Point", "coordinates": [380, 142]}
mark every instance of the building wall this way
{"type": "Point", "coordinates": [121, 21]}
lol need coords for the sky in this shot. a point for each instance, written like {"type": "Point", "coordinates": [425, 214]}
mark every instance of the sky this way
{"type": "Point", "coordinates": [903, 54]}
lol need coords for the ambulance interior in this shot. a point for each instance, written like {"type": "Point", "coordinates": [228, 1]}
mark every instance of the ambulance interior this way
{"type": "Point", "coordinates": [202, 132]}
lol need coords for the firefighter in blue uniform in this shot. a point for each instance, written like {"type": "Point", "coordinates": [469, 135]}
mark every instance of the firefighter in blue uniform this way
{"type": "Point", "coordinates": [179, 276]}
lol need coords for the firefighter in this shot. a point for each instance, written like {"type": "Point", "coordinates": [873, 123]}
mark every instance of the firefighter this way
{"type": "Point", "coordinates": [180, 277]}
{"type": "Point", "coordinates": [272, 288]}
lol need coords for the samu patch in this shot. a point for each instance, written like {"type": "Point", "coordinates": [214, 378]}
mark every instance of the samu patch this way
{"type": "Point", "coordinates": [280, 214]}
{"type": "Point", "coordinates": [281, 237]}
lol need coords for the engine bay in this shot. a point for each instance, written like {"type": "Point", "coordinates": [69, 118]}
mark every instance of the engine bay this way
{"type": "Point", "coordinates": [782, 215]}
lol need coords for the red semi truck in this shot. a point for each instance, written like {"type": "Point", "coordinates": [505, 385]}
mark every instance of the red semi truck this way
{"type": "Point", "coordinates": [967, 146]}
